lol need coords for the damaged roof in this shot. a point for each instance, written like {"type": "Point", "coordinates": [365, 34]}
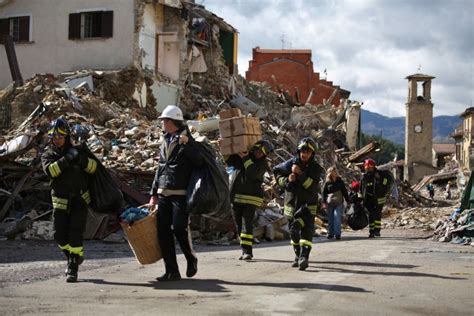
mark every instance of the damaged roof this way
{"type": "Point", "coordinates": [444, 148]}
{"type": "Point", "coordinates": [201, 11]}
{"type": "Point", "coordinates": [467, 112]}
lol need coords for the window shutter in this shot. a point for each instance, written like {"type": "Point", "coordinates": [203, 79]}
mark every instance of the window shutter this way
{"type": "Point", "coordinates": [75, 26]}
{"type": "Point", "coordinates": [107, 23]}
{"type": "Point", "coordinates": [4, 29]}
{"type": "Point", "coordinates": [24, 29]}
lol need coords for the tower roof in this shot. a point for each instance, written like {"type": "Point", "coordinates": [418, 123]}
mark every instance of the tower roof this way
{"type": "Point", "coordinates": [420, 77]}
{"type": "Point", "coordinates": [467, 112]}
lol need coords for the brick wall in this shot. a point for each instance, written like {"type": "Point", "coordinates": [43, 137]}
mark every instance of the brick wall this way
{"type": "Point", "coordinates": [291, 68]}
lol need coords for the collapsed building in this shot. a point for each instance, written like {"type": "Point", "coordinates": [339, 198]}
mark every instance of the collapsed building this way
{"type": "Point", "coordinates": [118, 104]}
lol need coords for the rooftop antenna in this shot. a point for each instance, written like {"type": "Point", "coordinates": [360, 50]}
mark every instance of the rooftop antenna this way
{"type": "Point", "coordinates": [282, 39]}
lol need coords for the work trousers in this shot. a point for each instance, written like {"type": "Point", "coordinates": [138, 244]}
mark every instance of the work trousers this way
{"type": "Point", "coordinates": [375, 217]}
{"type": "Point", "coordinates": [70, 223]}
{"type": "Point", "coordinates": [173, 221]}
{"type": "Point", "coordinates": [243, 217]}
{"type": "Point", "coordinates": [302, 227]}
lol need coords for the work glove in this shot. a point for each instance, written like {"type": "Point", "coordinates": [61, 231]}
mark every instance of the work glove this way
{"type": "Point", "coordinates": [82, 160]}
{"type": "Point", "coordinates": [72, 154]}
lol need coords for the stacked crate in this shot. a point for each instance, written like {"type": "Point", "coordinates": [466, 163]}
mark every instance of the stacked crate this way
{"type": "Point", "coordinates": [238, 133]}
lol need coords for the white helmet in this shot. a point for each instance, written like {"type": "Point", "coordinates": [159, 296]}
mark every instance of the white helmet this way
{"type": "Point", "coordinates": [172, 112]}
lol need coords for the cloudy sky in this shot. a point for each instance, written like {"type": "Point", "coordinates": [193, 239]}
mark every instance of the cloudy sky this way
{"type": "Point", "coordinates": [368, 46]}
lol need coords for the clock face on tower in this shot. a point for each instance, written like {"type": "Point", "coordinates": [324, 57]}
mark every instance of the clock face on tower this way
{"type": "Point", "coordinates": [418, 128]}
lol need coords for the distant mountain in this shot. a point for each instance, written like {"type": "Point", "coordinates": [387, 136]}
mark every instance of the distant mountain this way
{"type": "Point", "coordinates": [393, 128]}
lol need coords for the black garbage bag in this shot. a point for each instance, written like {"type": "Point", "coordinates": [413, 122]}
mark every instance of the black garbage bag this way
{"type": "Point", "coordinates": [357, 217]}
{"type": "Point", "coordinates": [106, 196]}
{"type": "Point", "coordinates": [208, 189]}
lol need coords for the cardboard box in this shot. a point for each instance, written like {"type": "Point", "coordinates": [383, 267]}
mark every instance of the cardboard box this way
{"type": "Point", "coordinates": [236, 144]}
{"type": "Point", "coordinates": [244, 125]}
{"type": "Point", "coordinates": [226, 114]}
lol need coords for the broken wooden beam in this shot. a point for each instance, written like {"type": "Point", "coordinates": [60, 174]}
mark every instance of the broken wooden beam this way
{"type": "Point", "coordinates": [364, 152]}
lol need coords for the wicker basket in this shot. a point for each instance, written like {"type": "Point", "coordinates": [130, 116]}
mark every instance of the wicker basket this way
{"type": "Point", "coordinates": [142, 237]}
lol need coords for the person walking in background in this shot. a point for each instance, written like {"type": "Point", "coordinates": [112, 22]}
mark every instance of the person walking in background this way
{"type": "Point", "coordinates": [375, 186]}
{"type": "Point", "coordinates": [179, 156]}
{"type": "Point", "coordinates": [431, 191]}
{"type": "Point", "coordinates": [247, 192]}
{"type": "Point", "coordinates": [448, 190]}
{"type": "Point", "coordinates": [334, 194]}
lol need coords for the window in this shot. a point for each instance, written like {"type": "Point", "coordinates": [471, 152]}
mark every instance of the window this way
{"type": "Point", "coordinates": [97, 24]}
{"type": "Point", "coordinates": [17, 27]}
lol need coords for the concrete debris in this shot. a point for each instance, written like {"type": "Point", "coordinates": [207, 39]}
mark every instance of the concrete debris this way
{"type": "Point", "coordinates": [458, 228]}
{"type": "Point", "coordinates": [422, 218]}
{"type": "Point", "coordinates": [122, 130]}
{"type": "Point", "coordinates": [41, 230]}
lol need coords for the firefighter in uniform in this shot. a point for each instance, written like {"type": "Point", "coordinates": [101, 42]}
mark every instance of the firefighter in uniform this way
{"type": "Point", "coordinates": [68, 167]}
{"type": "Point", "coordinates": [374, 188]}
{"type": "Point", "coordinates": [247, 192]}
{"type": "Point", "coordinates": [178, 157]}
{"type": "Point", "coordinates": [300, 177]}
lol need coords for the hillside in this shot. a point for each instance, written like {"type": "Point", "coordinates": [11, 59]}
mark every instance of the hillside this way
{"type": "Point", "coordinates": [393, 128]}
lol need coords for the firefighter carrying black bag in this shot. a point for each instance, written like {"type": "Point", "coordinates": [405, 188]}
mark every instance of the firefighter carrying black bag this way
{"type": "Point", "coordinates": [300, 177]}
{"type": "Point", "coordinates": [68, 167]}
{"type": "Point", "coordinates": [106, 196]}
{"type": "Point", "coordinates": [375, 186]}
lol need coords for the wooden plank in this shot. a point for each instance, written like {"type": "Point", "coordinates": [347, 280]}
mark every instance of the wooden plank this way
{"type": "Point", "coordinates": [15, 192]}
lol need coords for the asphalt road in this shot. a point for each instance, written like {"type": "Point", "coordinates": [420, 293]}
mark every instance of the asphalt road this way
{"type": "Point", "coordinates": [397, 274]}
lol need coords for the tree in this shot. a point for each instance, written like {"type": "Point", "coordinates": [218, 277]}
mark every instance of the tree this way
{"type": "Point", "coordinates": [388, 149]}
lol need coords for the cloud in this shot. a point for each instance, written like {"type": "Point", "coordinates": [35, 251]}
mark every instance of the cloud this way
{"type": "Point", "coordinates": [368, 46]}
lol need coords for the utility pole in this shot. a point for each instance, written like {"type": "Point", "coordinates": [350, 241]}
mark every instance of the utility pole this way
{"type": "Point", "coordinates": [12, 60]}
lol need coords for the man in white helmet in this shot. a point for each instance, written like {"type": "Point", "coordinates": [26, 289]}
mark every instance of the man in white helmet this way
{"type": "Point", "coordinates": [178, 157]}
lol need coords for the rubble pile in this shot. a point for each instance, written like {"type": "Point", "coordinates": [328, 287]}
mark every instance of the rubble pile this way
{"type": "Point", "coordinates": [457, 228]}
{"type": "Point", "coordinates": [121, 132]}
{"type": "Point", "coordinates": [125, 136]}
{"type": "Point", "coordinates": [118, 131]}
{"type": "Point", "coordinates": [423, 218]}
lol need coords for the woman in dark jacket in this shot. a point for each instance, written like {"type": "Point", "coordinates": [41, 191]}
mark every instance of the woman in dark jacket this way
{"type": "Point", "coordinates": [334, 194]}
{"type": "Point", "coordinates": [178, 157]}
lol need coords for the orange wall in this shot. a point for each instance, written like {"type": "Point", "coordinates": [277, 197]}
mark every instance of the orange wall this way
{"type": "Point", "coordinates": [291, 68]}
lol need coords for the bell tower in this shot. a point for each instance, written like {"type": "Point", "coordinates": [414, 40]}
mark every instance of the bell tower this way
{"type": "Point", "coordinates": [418, 129]}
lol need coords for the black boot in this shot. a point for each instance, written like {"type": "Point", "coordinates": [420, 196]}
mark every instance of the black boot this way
{"type": "Point", "coordinates": [169, 277]}
{"type": "Point", "coordinates": [192, 267]}
{"type": "Point", "coordinates": [73, 267]}
{"type": "Point", "coordinates": [304, 258]}
{"type": "Point", "coordinates": [297, 250]}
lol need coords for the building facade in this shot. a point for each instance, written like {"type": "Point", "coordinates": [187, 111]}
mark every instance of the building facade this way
{"type": "Point", "coordinates": [464, 140]}
{"type": "Point", "coordinates": [166, 39]}
{"type": "Point", "coordinates": [292, 70]}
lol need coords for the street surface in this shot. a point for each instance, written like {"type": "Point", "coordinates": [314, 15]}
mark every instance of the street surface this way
{"type": "Point", "coordinates": [398, 274]}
